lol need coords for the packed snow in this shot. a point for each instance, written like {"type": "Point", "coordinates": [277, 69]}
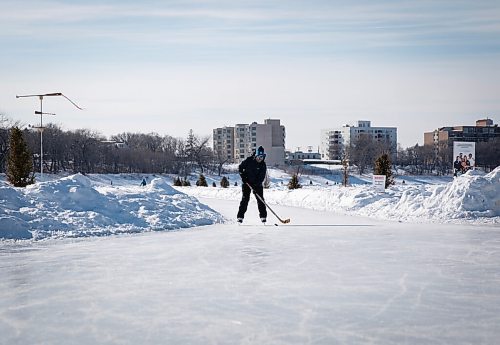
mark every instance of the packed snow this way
{"type": "Point", "coordinates": [78, 206]}
{"type": "Point", "coordinates": [96, 205]}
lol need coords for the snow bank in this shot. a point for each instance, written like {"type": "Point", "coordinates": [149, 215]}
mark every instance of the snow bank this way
{"type": "Point", "coordinates": [470, 196]}
{"type": "Point", "coordinates": [473, 197]}
{"type": "Point", "coordinates": [14, 228]}
{"type": "Point", "coordinates": [74, 207]}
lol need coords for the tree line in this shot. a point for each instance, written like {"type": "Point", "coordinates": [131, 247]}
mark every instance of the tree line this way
{"type": "Point", "coordinates": [85, 151]}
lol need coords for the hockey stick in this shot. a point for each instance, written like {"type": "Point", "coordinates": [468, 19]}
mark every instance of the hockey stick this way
{"type": "Point", "coordinates": [284, 221]}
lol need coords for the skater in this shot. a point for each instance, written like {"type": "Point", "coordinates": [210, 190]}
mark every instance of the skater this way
{"type": "Point", "coordinates": [253, 172]}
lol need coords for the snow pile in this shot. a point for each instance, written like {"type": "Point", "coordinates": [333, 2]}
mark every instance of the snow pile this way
{"type": "Point", "coordinates": [74, 207]}
{"type": "Point", "coordinates": [473, 197]}
{"type": "Point", "coordinates": [470, 196]}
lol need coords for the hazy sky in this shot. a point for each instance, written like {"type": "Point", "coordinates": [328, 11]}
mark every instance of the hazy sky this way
{"type": "Point", "coordinates": [171, 66]}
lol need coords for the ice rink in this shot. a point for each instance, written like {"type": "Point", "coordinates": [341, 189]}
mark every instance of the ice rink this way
{"type": "Point", "coordinates": [323, 279]}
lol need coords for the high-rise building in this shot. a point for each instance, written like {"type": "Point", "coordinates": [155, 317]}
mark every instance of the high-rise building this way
{"type": "Point", "coordinates": [223, 139]}
{"type": "Point", "coordinates": [335, 140]}
{"type": "Point", "coordinates": [247, 137]}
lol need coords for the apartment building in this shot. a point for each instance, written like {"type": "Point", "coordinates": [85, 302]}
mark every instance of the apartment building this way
{"type": "Point", "coordinates": [247, 137]}
{"type": "Point", "coordinates": [483, 131]}
{"type": "Point", "coordinates": [223, 140]}
{"type": "Point", "coordinates": [334, 141]}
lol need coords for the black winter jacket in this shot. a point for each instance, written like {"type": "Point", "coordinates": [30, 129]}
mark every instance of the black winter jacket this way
{"type": "Point", "coordinates": [252, 172]}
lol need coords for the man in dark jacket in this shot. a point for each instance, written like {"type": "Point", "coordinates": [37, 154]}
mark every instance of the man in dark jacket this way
{"type": "Point", "coordinates": [253, 172]}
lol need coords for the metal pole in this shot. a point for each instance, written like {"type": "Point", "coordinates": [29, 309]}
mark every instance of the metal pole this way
{"type": "Point", "coordinates": [41, 138]}
{"type": "Point", "coordinates": [41, 120]}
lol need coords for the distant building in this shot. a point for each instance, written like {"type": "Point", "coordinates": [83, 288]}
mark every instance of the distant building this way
{"type": "Point", "coordinates": [334, 141]}
{"type": "Point", "coordinates": [246, 138]}
{"type": "Point", "coordinates": [299, 155]}
{"type": "Point", "coordinates": [117, 144]}
{"type": "Point", "coordinates": [483, 131]}
{"type": "Point", "coordinates": [223, 139]}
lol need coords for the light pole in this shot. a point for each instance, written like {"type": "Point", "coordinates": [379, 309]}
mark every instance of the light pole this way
{"type": "Point", "coordinates": [41, 119]}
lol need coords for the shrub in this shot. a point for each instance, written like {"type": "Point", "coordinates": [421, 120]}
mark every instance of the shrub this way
{"type": "Point", "coordinates": [177, 181]}
{"type": "Point", "coordinates": [294, 182]}
{"type": "Point", "coordinates": [202, 181]}
{"type": "Point", "coordinates": [224, 182]}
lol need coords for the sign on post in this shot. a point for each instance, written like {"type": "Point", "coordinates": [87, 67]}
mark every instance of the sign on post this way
{"type": "Point", "coordinates": [379, 183]}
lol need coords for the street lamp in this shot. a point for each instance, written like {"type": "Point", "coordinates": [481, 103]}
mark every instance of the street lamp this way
{"type": "Point", "coordinates": [41, 113]}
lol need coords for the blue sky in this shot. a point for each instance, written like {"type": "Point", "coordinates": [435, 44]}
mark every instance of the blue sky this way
{"type": "Point", "coordinates": [171, 66]}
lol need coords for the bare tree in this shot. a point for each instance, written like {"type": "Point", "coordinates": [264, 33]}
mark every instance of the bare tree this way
{"type": "Point", "coordinates": [362, 152]}
{"type": "Point", "coordinates": [5, 125]}
{"type": "Point", "coordinates": [444, 159]}
{"type": "Point", "coordinates": [85, 150]}
{"type": "Point", "coordinates": [220, 159]}
{"type": "Point", "coordinates": [55, 149]}
{"type": "Point", "coordinates": [198, 152]}
{"type": "Point", "coordinates": [488, 154]}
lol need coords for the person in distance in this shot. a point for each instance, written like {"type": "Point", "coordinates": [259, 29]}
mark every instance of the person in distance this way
{"type": "Point", "coordinates": [253, 172]}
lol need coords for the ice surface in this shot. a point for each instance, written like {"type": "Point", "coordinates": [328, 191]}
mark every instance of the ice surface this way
{"type": "Point", "coordinates": [323, 279]}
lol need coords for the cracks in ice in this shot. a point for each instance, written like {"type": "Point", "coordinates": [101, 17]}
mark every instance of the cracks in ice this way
{"type": "Point", "coordinates": [402, 291]}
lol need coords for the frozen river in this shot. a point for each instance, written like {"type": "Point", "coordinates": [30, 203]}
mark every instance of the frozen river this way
{"type": "Point", "coordinates": [323, 279]}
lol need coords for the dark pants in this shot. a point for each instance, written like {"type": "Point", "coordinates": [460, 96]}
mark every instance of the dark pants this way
{"type": "Point", "coordinates": [246, 198]}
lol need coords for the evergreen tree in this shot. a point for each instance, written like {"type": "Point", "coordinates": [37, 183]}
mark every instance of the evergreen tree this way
{"type": "Point", "coordinates": [202, 181]}
{"type": "Point", "coordinates": [177, 181]}
{"type": "Point", "coordinates": [294, 182]}
{"type": "Point", "coordinates": [383, 167]}
{"type": "Point", "coordinates": [19, 162]}
{"type": "Point", "coordinates": [191, 143]}
{"type": "Point", "coordinates": [186, 182]}
{"type": "Point", "coordinates": [224, 182]}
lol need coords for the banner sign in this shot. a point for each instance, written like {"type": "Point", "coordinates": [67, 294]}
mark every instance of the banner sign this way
{"type": "Point", "coordinates": [379, 183]}
{"type": "Point", "coordinates": [464, 157]}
